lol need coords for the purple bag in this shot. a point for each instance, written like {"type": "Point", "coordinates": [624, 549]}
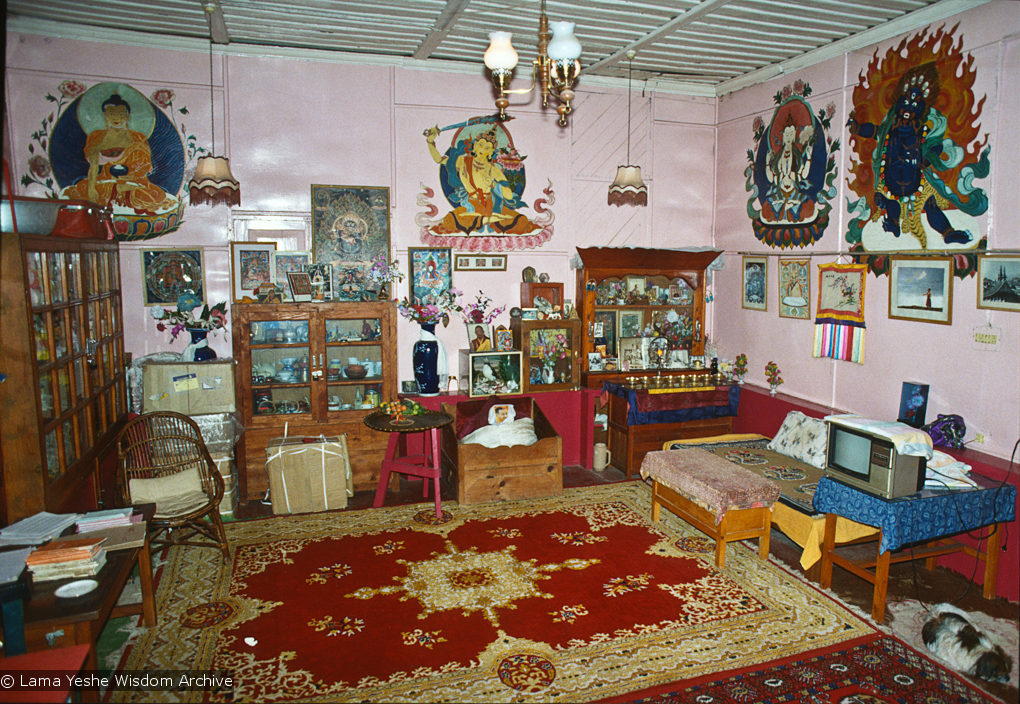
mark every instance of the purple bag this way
{"type": "Point", "coordinates": [947, 431]}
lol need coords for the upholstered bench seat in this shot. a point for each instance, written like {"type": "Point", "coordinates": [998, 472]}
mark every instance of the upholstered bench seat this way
{"type": "Point", "coordinates": [715, 496]}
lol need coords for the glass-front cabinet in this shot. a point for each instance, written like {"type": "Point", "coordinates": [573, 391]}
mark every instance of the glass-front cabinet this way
{"type": "Point", "coordinates": [64, 393]}
{"type": "Point", "coordinates": [306, 367]}
{"type": "Point", "coordinates": [642, 312]}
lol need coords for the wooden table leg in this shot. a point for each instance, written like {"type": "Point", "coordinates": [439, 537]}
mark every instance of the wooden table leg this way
{"type": "Point", "coordinates": [828, 545]}
{"type": "Point", "coordinates": [145, 579]}
{"type": "Point", "coordinates": [992, 560]}
{"type": "Point", "coordinates": [881, 585]}
{"type": "Point", "coordinates": [655, 501]}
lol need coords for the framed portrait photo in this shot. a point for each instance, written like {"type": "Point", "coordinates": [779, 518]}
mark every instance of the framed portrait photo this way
{"type": "Point", "coordinates": [430, 272]}
{"type": "Point", "coordinates": [250, 267]}
{"type": "Point", "coordinates": [754, 288]}
{"type": "Point", "coordinates": [999, 282]}
{"type": "Point", "coordinates": [795, 288]}
{"type": "Point", "coordinates": [921, 289]}
{"type": "Point", "coordinates": [286, 262]}
{"type": "Point", "coordinates": [167, 273]}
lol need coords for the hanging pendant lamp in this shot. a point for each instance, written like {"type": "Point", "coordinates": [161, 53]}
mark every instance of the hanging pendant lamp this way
{"type": "Point", "coordinates": [628, 188]}
{"type": "Point", "coordinates": [213, 184]}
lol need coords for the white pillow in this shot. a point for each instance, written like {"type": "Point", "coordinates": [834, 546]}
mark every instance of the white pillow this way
{"type": "Point", "coordinates": [506, 434]}
{"type": "Point", "coordinates": [802, 438]}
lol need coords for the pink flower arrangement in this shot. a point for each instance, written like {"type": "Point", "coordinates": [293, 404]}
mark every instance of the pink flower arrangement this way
{"type": "Point", "coordinates": [550, 348]}
{"type": "Point", "coordinates": [478, 312]}
{"type": "Point", "coordinates": [183, 318]}
{"type": "Point", "coordinates": [432, 313]}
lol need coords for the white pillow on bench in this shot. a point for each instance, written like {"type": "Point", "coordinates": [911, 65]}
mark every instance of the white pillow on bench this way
{"type": "Point", "coordinates": [802, 438]}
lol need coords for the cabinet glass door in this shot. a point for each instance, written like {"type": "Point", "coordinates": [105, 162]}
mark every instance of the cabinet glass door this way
{"type": "Point", "coordinates": [280, 367]}
{"type": "Point", "coordinates": [353, 363]}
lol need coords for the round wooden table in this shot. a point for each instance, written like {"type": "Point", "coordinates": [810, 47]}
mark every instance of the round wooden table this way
{"type": "Point", "coordinates": [426, 465]}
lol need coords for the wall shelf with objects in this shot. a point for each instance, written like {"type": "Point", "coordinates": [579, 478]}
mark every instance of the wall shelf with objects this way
{"type": "Point", "coordinates": [311, 369]}
{"type": "Point", "coordinates": [624, 294]}
{"type": "Point", "coordinates": [65, 394]}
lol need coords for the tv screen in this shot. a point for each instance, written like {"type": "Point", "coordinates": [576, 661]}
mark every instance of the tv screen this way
{"type": "Point", "coordinates": [849, 452]}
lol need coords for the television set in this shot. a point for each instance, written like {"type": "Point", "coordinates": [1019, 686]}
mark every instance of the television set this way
{"type": "Point", "coordinates": [870, 462]}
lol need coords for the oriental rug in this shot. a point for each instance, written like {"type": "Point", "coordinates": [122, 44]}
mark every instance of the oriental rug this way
{"type": "Point", "coordinates": [572, 598]}
{"type": "Point", "coordinates": [876, 669]}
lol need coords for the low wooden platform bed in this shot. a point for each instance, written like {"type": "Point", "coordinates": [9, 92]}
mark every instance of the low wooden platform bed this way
{"type": "Point", "coordinates": [793, 513]}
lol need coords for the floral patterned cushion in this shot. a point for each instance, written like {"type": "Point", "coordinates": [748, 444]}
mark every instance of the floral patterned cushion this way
{"type": "Point", "coordinates": [802, 438]}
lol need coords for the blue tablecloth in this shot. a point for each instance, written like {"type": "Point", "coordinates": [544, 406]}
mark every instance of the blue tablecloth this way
{"type": "Point", "coordinates": [925, 517]}
{"type": "Point", "coordinates": [647, 409]}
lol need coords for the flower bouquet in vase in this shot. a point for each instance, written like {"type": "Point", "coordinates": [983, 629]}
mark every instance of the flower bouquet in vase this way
{"type": "Point", "coordinates": [381, 274]}
{"type": "Point", "coordinates": [773, 374]}
{"type": "Point", "coordinates": [198, 326]}
{"type": "Point", "coordinates": [740, 368]}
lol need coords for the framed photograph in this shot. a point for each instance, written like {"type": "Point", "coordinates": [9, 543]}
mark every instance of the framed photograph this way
{"type": "Point", "coordinates": [594, 362]}
{"type": "Point", "coordinates": [269, 293]}
{"type": "Point", "coordinates": [479, 262]}
{"type": "Point", "coordinates": [286, 262]}
{"type": "Point", "coordinates": [633, 353]}
{"type": "Point", "coordinates": [529, 313]}
{"type": "Point", "coordinates": [322, 281]}
{"type": "Point", "coordinates": [631, 323]}
{"type": "Point", "coordinates": [250, 267]}
{"type": "Point", "coordinates": [913, 404]}
{"type": "Point", "coordinates": [755, 283]}
{"type": "Point", "coordinates": [491, 373]}
{"type": "Point", "coordinates": [921, 289]}
{"type": "Point", "coordinates": [430, 273]}
{"type": "Point", "coordinates": [607, 319]}
{"type": "Point", "coordinates": [636, 287]}
{"type": "Point", "coordinates": [481, 337]}
{"type": "Point", "coordinates": [609, 364]}
{"type": "Point", "coordinates": [504, 339]}
{"type": "Point", "coordinates": [999, 282]}
{"type": "Point", "coordinates": [167, 273]}
{"type": "Point", "coordinates": [350, 224]}
{"type": "Point", "coordinates": [550, 361]}
{"type": "Point", "coordinates": [300, 285]}
{"type": "Point", "coordinates": [409, 387]}
{"type": "Point", "coordinates": [795, 288]}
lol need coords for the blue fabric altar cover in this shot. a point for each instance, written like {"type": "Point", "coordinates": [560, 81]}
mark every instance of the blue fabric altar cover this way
{"type": "Point", "coordinates": [689, 411]}
{"type": "Point", "coordinates": [922, 519]}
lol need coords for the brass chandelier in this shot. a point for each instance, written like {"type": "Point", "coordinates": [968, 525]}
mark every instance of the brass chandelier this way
{"type": "Point", "coordinates": [554, 70]}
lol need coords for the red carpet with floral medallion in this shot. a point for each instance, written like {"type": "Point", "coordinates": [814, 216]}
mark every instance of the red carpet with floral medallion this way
{"type": "Point", "coordinates": [574, 598]}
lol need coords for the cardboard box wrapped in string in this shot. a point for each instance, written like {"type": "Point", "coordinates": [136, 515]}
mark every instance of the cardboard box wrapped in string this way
{"type": "Point", "coordinates": [307, 475]}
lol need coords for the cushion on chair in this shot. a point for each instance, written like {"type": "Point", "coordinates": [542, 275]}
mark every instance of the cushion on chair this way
{"type": "Point", "coordinates": [802, 438]}
{"type": "Point", "coordinates": [468, 422]}
{"type": "Point", "coordinates": [174, 494]}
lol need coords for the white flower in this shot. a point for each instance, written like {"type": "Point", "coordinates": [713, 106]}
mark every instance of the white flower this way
{"type": "Point", "coordinates": [157, 313]}
{"type": "Point", "coordinates": [672, 317]}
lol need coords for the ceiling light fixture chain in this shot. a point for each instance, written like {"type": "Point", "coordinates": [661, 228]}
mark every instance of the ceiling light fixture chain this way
{"type": "Point", "coordinates": [628, 188]}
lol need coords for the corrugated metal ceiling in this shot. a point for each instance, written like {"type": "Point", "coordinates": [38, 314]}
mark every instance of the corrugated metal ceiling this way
{"type": "Point", "coordinates": [705, 46]}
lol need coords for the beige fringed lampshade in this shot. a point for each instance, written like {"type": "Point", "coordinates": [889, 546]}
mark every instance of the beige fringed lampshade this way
{"type": "Point", "coordinates": [213, 183]}
{"type": "Point", "coordinates": [628, 188]}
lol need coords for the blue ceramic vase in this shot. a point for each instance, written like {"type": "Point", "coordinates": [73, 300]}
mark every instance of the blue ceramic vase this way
{"type": "Point", "coordinates": [425, 357]}
{"type": "Point", "coordinates": [203, 353]}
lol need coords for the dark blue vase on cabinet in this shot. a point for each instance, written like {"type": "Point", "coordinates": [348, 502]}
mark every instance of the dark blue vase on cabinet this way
{"type": "Point", "coordinates": [203, 353]}
{"type": "Point", "coordinates": [425, 358]}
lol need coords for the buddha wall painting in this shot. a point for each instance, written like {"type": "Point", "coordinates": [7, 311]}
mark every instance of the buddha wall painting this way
{"type": "Point", "coordinates": [482, 177]}
{"type": "Point", "coordinates": [916, 153]}
{"type": "Point", "coordinates": [791, 171]}
{"type": "Point", "coordinates": [113, 146]}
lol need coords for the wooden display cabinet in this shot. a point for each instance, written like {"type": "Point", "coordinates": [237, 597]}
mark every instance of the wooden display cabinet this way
{"type": "Point", "coordinates": [625, 289]}
{"type": "Point", "coordinates": [292, 376]}
{"type": "Point", "coordinates": [530, 336]}
{"type": "Point", "coordinates": [64, 396]}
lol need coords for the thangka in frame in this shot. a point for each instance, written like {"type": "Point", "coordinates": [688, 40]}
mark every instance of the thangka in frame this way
{"type": "Point", "coordinates": [839, 321]}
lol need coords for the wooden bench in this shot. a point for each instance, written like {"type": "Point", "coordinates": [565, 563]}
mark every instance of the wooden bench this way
{"type": "Point", "coordinates": [723, 500]}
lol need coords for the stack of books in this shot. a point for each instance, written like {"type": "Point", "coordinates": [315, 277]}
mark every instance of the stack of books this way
{"type": "Point", "coordinates": [66, 558]}
{"type": "Point", "coordinates": [98, 520]}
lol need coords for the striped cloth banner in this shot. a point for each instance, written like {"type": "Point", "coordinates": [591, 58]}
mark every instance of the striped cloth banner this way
{"type": "Point", "coordinates": [840, 340]}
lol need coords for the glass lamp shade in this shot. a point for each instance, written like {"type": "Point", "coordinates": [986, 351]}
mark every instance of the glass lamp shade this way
{"type": "Point", "coordinates": [500, 56]}
{"type": "Point", "coordinates": [628, 188]}
{"type": "Point", "coordinates": [213, 183]}
{"type": "Point", "coordinates": [563, 47]}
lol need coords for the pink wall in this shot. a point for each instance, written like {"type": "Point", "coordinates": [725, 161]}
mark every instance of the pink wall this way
{"type": "Point", "coordinates": [982, 386]}
{"type": "Point", "coordinates": [287, 123]}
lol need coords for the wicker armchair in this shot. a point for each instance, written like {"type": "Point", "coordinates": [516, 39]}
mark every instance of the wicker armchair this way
{"type": "Point", "coordinates": [163, 460]}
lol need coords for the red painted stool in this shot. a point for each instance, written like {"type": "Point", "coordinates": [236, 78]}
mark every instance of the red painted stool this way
{"type": "Point", "coordinates": [425, 465]}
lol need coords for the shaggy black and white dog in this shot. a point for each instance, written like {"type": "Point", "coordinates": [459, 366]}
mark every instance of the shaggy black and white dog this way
{"type": "Point", "coordinates": [950, 636]}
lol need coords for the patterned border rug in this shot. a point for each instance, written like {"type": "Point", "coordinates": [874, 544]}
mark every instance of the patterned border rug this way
{"type": "Point", "coordinates": [575, 598]}
{"type": "Point", "coordinates": [872, 670]}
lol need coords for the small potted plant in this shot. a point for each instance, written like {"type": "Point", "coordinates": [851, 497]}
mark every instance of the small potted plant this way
{"type": "Point", "coordinates": [740, 368]}
{"type": "Point", "coordinates": [772, 373]}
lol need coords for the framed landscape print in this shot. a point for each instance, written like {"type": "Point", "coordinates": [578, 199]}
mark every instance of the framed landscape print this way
{"type": "Point", "coordinates": [250, 267]}
{"type": "Point", "coordinates": [479, 262]}
{"type": "Point", "coordinates": [285, 262]}
{"type": "Point", "coordinates": [921, 289]}
{"type": "Point", "coordinates": [999, 282]}
{"type": "Point", "coordinates": [755, 283]}
{"type": "Point", "coordinates": [167, 273]}
{"type": "Point", "coordinates": [350, 224]}
{"type": "Point", "coordinates": [430, 273]}
{"type": "Point", "coordinates": [795, 288]}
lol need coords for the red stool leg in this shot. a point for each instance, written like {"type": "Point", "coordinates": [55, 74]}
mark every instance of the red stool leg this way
{"type": "Point", "coordinates": [434, 441]}
{"type": "Point", "coordinates": [384, 474]}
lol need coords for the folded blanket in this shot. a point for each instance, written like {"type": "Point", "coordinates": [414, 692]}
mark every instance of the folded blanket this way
{"type": "Point", "coordinates": [906, 440]}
